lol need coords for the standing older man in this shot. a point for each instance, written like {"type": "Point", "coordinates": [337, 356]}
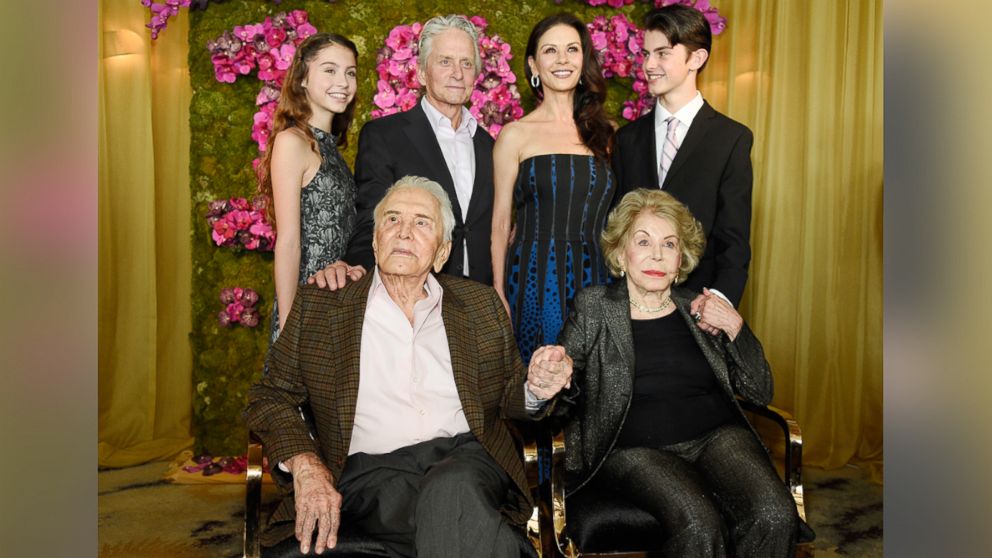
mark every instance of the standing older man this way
{"type": "Point", "coordinates": [409, 377]}
{"type": "Point", "coordinates": [438, 139]}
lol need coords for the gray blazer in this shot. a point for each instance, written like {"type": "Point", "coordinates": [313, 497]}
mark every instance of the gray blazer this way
{"type": "Point", "coordinates": [598, 337]}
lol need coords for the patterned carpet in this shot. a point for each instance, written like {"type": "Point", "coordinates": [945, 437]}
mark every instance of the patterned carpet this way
{"type": "Point", "coordinates": [845, 510]}
{"type": "Point", "coordinates": [143, 516]}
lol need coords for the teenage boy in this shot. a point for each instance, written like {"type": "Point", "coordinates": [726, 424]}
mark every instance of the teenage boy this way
{"type": "Point", "coordinates": [690, 150]}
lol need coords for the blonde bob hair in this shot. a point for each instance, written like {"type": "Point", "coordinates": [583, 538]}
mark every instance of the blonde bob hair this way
{"type": "Point", "coordinates": [618, 232]}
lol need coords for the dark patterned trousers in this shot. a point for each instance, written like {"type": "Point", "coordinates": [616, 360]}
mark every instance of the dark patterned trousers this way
{"type": "Point", "coordinates": [717, 495]}
{"type": "Point", "coordinates": [435, 499]}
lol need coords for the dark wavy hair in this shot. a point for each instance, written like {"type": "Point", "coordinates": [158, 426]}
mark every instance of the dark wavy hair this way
{"type": "Point", "coordinates": [590, 94]}
{"type": "Point", "coordinates": [293, 110]}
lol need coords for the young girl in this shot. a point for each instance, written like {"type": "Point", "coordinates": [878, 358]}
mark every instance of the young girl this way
{"type": "Point", "coordinates": [311, 188]}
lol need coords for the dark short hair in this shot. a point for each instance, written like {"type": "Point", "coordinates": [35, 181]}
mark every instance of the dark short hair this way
{"type": "Point", "coordinates": [681, 25]}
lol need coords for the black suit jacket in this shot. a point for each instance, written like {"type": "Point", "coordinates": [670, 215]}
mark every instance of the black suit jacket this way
{"type": "Point", "coordinates": [711, 174]}
{"type": "Point", "coordinates": [404, 144]}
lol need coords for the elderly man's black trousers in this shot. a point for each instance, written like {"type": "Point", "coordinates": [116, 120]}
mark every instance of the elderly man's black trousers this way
{"type": "Point", "coordinates": [434, 499]}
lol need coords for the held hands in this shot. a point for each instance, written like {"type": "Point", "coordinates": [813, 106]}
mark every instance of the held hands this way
{"type": "Point", "coordinates": [318, 504]}
{"type": "Point", "coordinates": [714, 315]}
{"type": "Point", "coordinates": [549, 372]}
{"type": "Point", "coordinates": [336, 275]}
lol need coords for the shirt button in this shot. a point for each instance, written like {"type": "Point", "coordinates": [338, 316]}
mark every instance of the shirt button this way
{"type": "Point", "coordinates": [423, 412]}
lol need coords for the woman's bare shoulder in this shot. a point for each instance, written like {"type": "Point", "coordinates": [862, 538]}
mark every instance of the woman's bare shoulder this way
{"type": "Point", "coordinates": [513, 137]}
{"type": "Point", "coordinates": [292, 137]}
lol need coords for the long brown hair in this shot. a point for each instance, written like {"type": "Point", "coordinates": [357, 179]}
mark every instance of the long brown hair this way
{"type": "Point", "coordinates": [590, 94]}
{"type": "Point", "coordinates": [293, 110]}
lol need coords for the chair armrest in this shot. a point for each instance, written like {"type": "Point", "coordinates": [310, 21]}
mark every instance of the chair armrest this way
{"type": "Point", "coordinates": [253, 498]}
{"type": "Point", "coordinates": [793, 448]}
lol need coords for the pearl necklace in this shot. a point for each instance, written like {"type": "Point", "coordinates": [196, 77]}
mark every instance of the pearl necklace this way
{"type": "Point", "coordinates": [648, 309]}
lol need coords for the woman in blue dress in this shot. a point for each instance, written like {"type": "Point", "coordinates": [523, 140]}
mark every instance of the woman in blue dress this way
{"type": "Point", "coordinates": [552, 167]}
{"type": "Point", "coordinates": [302, 172]}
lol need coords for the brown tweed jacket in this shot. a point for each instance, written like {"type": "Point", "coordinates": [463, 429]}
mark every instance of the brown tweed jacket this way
{"type": "Point", "coordinates": [316, 361]}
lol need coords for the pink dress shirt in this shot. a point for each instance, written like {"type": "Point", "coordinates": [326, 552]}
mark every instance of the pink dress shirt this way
{"type": "Point", "coordinates": [406, 390]}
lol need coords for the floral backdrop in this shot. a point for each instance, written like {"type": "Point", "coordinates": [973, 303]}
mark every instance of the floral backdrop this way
{"type": "Point", "coordinates": [239, 51]}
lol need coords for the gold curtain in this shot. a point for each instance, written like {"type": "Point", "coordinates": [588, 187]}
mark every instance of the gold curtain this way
{"type": "Point", "coordinates": [806, 77]}
{"type": "Point", "coordinates": [144, 256]}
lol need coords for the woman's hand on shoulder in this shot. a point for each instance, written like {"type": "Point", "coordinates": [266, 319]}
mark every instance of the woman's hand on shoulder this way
{"type": "Point", "coordinates": [336, 275]}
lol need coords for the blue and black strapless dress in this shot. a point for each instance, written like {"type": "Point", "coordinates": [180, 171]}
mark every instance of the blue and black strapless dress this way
{"type": "Point", "coordinates": [562, 202]}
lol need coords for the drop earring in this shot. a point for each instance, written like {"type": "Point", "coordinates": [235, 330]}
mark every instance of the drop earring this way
{"type": "Point", "coordinates": [535, 81]}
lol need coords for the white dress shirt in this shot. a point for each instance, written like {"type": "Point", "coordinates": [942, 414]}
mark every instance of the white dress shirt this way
{"type": "Point", "coordinates": [684, 115]}
{"type": "Point", "coordinates": [459, 155]}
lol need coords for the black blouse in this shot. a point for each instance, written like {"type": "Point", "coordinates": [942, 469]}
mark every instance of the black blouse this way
{"type": "Point", "coordinates": [676, 395]}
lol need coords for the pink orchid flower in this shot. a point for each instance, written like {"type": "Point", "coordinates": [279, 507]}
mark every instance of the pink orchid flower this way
{"type": "Point", "coordinates": [297, 17]}
{"type": "Point", "coordinates": [305, 30]}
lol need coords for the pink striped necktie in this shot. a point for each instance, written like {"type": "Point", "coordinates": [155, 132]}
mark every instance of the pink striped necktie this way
{"type": "Point", "coordinates": [668, 149]}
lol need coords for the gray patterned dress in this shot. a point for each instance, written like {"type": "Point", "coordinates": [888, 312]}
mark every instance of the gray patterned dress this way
{"type": "Point", "coordinates": [327, 215]}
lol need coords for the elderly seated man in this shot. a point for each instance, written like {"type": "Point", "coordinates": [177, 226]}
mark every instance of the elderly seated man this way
{"type": "Point", "coordinates": [409, 376]}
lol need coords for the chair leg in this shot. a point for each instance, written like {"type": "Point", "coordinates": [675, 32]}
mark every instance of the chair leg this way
{"type": "Point", "coordinates": [563, 543]}
{"type": "Point", "coordinates": [253, 500]}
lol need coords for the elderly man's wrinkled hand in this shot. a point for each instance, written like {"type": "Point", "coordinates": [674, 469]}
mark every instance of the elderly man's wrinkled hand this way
{"type": "Point", "coordinates": [336, 275]}
{"type": "Point", "coordinates": [318, 504]}
{"type": "Point", "coordinates": [549, 372]}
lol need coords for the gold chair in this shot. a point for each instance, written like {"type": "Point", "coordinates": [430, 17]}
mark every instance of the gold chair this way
{"type": "Point", "coordinates": [253, 498]}
{"type": "Point", "coordinates": [350, 544]}
{"type": "Point", "coordinates": [549, 531]}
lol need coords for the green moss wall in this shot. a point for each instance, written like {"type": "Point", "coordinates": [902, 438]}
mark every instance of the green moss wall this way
{"type": "Point", "coordinates": [227, 361]}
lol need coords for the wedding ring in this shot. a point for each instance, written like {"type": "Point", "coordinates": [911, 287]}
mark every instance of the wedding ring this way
{"type": "Point", "coordinates": [697, 316]}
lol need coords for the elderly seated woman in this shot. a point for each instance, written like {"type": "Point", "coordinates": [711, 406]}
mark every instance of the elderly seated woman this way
{"type": "Point", "coordinates": [650, 405]}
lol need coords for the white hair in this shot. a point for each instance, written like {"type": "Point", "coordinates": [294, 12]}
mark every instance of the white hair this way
{"type": "Point", "coordinates": [439, 24]}
{"type": "Point", "coordinates": [434, 189]}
